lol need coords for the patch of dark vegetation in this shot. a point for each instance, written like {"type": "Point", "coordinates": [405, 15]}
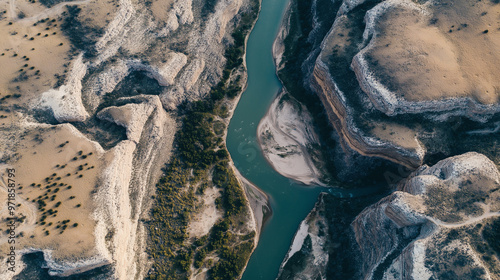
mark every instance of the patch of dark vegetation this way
{"type": "Point", "coordinates": [201, 159]}
{"type": "Point", "coordinates": [208, 8]}
{"type": "Point", "coordinates": [447, 205]}
{"type": "Point", "coordinates": [455, 263]}
{"type": "Point", "coordinates": [484, 239]}
{"type": "Point", "coordinates": [232, 199]}
{"type": "Point", "coordinates": [23, 76]}
{"type": "Point", "coordinates": [51, 3]}
{"type": "Point", "coordinates": [198, 153]}
{"type": "Point", "coordinates": [491, 234]}
{"type": "Point", "coordinates": [82, 36]}
{"type": "Point", "coordinates": [44, 116]}
{"type": "Point", "coordinates": [233, 260]}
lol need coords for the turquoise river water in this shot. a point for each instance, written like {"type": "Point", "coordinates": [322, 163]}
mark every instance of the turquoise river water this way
{"type": "Point", "coordinates": [290, 202]}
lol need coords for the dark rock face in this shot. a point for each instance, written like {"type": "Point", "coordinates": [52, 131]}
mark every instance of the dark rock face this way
{"type": "Point", "coordinates": [329, 249]}
{"type": "Point", "coordinates": [296, 50]}
{"type": "Point", "coordinates": [439, 224]}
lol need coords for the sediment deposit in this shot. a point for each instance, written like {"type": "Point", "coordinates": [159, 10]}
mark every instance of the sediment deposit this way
{"type": "Point", "coordinates": [286, 135]}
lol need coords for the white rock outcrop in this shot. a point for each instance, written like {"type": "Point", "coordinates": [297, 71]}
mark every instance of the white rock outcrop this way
{"type": "Point", "coordinates": [406, 235]}
{"type": "Point", "coordinates": [407, 223]}
{"type": "Point", "coordinates": [126, 182]}
{"type": "Point", "coordinates": [131, 116]}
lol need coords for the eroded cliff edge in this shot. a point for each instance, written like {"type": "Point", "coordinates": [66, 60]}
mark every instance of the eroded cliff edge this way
{"type": "Point", "coordinates": [90, 120]}
{"type": "Point", "coordinates": [390, 94]}
{"type": "Point", "coordinates": [357, 66]}
{"type": "Point", "coordinates": [391, 97]}
{"type": "Point", "coordinates": [441, 223]}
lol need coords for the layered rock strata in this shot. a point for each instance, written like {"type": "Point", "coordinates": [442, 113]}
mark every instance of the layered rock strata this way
{"type": "Point", "coordinates": [386, 89]}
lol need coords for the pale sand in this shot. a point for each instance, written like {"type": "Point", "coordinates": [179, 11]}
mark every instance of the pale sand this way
{"type": "Point", "coordinates": [450, 57]}
{"type": "Point", "coordinates": [37, 162]}
{"type": "Point", "coordinates": [206, 217]}
{"type": "Point", "coordinates": [298, 241]}
{"type": "Point", "coordinates": [48, 57]}
{"type": "Point", "coordinates": [37, 159]}
{"type": "Point", "coordinates": [397, 134]}
{"type": "Point", "coordinates": [98, 13]}
{"type": "Point", "coordinates": [285, 134]}
{"type": "Point", "coordinates": [161, 9]}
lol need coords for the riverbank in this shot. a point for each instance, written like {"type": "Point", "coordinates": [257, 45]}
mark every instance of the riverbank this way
{"type": "Point", "coordinates": [258, 199]}
{"type": "Point", "coordinates": [248, 159]}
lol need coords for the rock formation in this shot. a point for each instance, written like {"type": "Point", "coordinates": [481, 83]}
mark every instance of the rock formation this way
{"type": "Point", "coordinates": [411, 82]}
{"type": "Point", "coordinates": [397, 76]}
{"type": "Point", "coordinates": [128, 62]}
{"type": "Point", "coordinates": [441, 223]}
{"type": "Point", "coordinates": [382, 85]}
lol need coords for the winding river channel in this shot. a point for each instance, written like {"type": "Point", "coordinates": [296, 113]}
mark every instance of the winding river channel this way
{"type": "Point", "coordinates": [290, 201]}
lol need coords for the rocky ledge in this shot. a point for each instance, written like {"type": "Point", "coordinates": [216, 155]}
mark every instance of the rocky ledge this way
{"type": "Point", "coordinates": [341, 117]}
{"type": "Point", "coordinates": [419, 69]}
{"type": "Point", "coordinates": [441, 223]}
{"type": "Point", "coordinates": [386, 90]}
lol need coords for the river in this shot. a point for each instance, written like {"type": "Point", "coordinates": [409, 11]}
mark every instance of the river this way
{"type": "Point", "coordinates": [290, 201]}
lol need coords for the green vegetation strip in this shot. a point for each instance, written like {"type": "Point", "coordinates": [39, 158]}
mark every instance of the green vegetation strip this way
{"type": "Point", "coordinates": [200, 160]}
